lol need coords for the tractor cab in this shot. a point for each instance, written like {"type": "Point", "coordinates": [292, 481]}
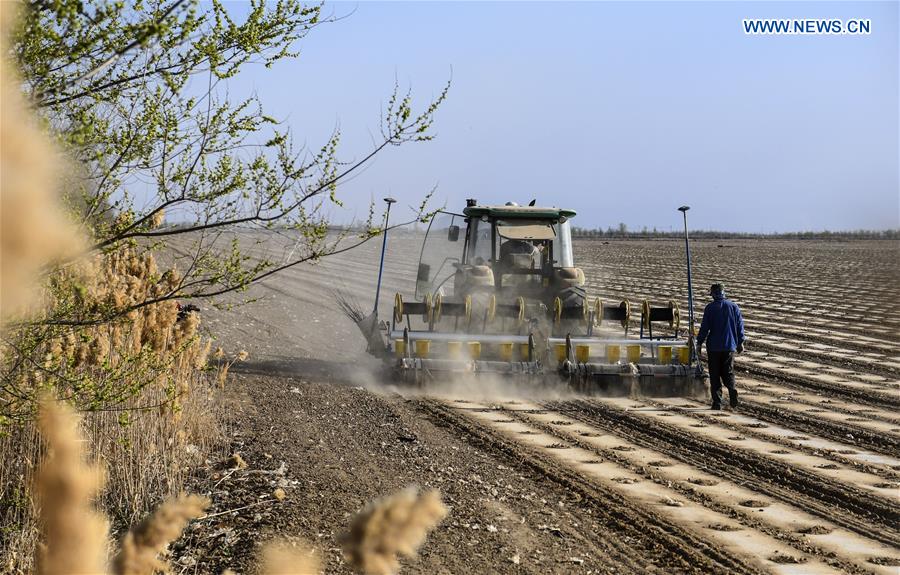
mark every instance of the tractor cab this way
{"type": "Point", "coordinates": [510, 251]}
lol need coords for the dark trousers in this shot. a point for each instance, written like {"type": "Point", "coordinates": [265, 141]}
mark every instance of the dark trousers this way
{"type": "Point", "coordinates": [721, 370]}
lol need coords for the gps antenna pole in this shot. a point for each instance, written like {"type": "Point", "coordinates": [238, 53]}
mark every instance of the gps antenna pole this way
{"type": "Point", "coordinates": [387, 217]}
{"type": "Point", "coordinates": [687, 250]}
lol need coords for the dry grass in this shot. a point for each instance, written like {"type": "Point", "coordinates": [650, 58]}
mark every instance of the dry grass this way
{"type": "Point", "coordinates": [74, 534]}
{"type": "Point", "coordinates": [142, 545]}
{"type": "Point", "coordinates": [33, 233]}
{"type": "Point", "coordinates": [147, 459]}
{"type": "Point", "coordinates": [237, 462]}
{"type": "Point", "coordinates": [386, 529]}
{"type": "Point", "coordinates": [144, 381]}
{"type": "Point", "coordinates": [396, 525]}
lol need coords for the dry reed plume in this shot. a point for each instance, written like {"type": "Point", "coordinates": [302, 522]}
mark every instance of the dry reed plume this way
{"type": "Point", "coordinates": [34, 229]}
{"type": "Point", "coordinates": [396, 525]}
{"type": "Point", "coordinates": [282, 558]}
{"type": "Point", "coordinates": [75, 536]}
{"type": "Point", "coordinates": [148, 358]}
{"type": "Point", "coordinates": [143, 544]}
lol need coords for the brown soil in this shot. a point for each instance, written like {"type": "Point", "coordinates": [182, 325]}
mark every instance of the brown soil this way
{"type": "Point", "coordinates": [341, 446]}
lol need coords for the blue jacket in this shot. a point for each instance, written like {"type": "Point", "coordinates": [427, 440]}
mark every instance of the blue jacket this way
{"type": "Point", "coordinates": [722, 327]}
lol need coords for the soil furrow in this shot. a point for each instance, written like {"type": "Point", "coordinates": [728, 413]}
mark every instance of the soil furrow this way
{"type": "Point", "coordinates": [798, 317]}
{"type": "Point", "coordinates": [818, 371]}
{"type": "Point", "coordinates": [689, 491]}
{"type": "Point", "coordinates": [769, 392]}
{"type": "Point", "coordinates": [836, 431]}
{"type": "Point", "coordinates": [865, 365]}
{"type": "Point", "coordinates": [781, 434]}
{"type": "Point", "coordinates": [655, 539]}
{"type": "Point", "coordinates": [862, 513]}
{"type": "Point", "coordinates": [869, 398]}
{"type": "Point", "coordinates": [756, 308]}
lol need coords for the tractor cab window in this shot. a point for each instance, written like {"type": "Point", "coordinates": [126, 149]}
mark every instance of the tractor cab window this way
{"type": "Point", "coordinates": [480, 243]}
{"type": "Point", "coordinates": [524, 244]}
{"type": "Point", "coordinates": [441, 251]}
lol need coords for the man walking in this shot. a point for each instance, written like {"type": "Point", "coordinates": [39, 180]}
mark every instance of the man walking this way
{"type": "Point", "coordinates": [722, 329]}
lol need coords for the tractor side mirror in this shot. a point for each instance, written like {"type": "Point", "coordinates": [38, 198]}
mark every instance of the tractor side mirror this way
{"type": "Point", "coordinates": [453, 234]}
{"type": "Point", "coordinates": [424, 273]}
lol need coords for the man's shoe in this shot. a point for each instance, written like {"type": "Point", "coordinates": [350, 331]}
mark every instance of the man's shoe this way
{"type": "Point", "coordinates": [733, 399]}
{"type": "Point", "coordinates": [716, 407]}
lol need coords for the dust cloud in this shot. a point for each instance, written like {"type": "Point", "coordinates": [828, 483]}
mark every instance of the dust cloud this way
{"type": "Point", "coordinates": [470, 386]}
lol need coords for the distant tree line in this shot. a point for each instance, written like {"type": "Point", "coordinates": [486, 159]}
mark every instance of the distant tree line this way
{"type": "Point", "coordinates": [622, 231]}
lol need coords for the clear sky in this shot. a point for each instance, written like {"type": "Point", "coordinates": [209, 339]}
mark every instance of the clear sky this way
{"type": "Point", "coordinates": [622, 111]}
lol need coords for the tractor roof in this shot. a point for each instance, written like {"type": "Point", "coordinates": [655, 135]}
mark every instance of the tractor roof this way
{"type": "Point", "coordinates": [515, 212]}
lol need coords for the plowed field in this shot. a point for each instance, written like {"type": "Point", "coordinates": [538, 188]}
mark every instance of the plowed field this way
{"type": "Point", "coordinates": [804, 477]}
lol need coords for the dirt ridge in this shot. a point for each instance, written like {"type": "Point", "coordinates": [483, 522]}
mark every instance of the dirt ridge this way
{"type": "Point", "coordinates": [864, 513]}
{"type": "Point", "coordinates": [862, 438]}
{"type": "Point", "coordinates": [871, 398]}
{"type": "Point", "coordinates": [746, 519]}
{"type": "Point", "coordinates": [622, 512]}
